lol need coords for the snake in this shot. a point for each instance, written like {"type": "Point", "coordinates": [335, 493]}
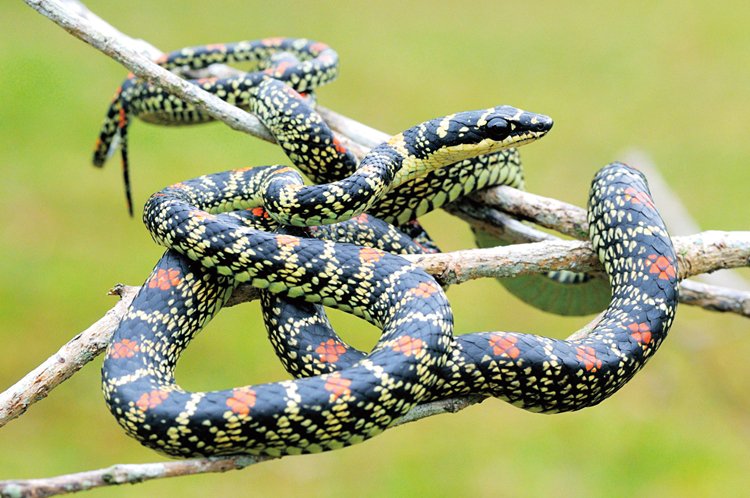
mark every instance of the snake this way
{"type": "Point", "coordinates": [207, 224]}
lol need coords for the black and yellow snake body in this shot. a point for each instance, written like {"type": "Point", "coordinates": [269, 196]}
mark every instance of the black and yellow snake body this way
{"type": "Point", "coordinates": [215, 229]}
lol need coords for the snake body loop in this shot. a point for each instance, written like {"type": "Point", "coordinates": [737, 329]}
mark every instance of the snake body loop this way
{"type": "Point", "coordinates": [180, 297]}
{"type": "Point", "coordinates": [306, 415]}
{"type": "Point", "coordinates": [533, 372]}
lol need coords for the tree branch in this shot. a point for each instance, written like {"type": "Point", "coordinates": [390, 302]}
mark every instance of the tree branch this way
{"type": "Point", "coordinates": [703, 252]}
{"type": "Point", "coordinates": [70, 358]}
{"type": "Point", "coordinates": [135, 473]}
{"type": "Point", "coordinates": [482, 212]}
{"type": "Point", "coordinates": [696, 254]}
{"type": "Point", "coordinates": [700, 253]}
{"type": "Point", "coordinates": [122, 474]}
{"type": "Point", "coordinates": [77, 20]}
{"type": "Point", "coordinates": [119, 49]}
{"type": "Point", "coordinates": [548, 213]}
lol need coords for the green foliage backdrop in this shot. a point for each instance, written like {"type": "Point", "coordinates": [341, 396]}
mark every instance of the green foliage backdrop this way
{"type": "Point", "coordinates": [660, 76]}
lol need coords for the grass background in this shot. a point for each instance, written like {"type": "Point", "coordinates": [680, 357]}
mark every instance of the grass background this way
{"type": "Point", "coordinates": [665, 77]}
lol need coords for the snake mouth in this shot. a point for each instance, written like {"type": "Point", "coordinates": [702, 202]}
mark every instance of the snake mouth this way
{"type": "Point", "coordinates": [524, 137]}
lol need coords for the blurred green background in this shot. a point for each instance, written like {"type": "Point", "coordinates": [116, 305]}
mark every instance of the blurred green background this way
{"type": "Point", "coordinates": [669, 79]}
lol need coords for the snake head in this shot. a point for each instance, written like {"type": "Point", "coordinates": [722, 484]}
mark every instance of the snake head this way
{"type": "Point", "coordinates": [465, 135]}
{"type": "Point", "coordinates": [514, 126]}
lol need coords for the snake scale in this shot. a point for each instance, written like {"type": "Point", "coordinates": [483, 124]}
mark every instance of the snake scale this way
{"type": "Point", "coordinates": [325, 244]}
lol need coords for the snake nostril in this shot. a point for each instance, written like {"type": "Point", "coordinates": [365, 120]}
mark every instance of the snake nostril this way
{"type": "Point", "coordinates": [535, 122]}
{"type": "Point", "coordinates": [541, 123]}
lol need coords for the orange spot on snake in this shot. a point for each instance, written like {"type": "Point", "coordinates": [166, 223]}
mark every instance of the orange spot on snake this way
{"type": "Point", "coordinates": [202, 215]}
{"type": "Point", "coordinates": [370, 255]}
{"type": "Point", "coordinates": [242, 400]}
{"type": "Point", "coordinates": [318, 47]}
{"type": "Point", "coordinates": [279, 70]}
{"type": "Point", "coordinates": [338, 386]}
{"type": "Point", "coordinates": [662, 266]}
{"type": "Point", "coordinates": [203, 81]}
{"type": "Point", "coordinates": [425, 289]}
{"type": "Point", "coordinates": [260, 212]}
{"type": "Point", "coordinates": [504, 345]}
{"type": "Point", "coordinates": [337, 145]}
{"type": "Point", "coordinates": [330, 351]}
{"type": "Point", "coordinates": [640, 332]}
{"type": "Point", "coordinates": [151, 399]}
{"type": "Point", "coordinates": [587, 355]}
{"type": "Point", "coordinates": [165, 279]}
{"type": "Point", "coordinates": [285, 169]}
{"type": "Point", "coordinates": [122, 121]}
{"type": "Point", "coordinates": [272, 41]}
{"type": "Point", "coordinates": [287, 240]}
{"type": "Point", "coordinates": [124, 349]}
{"type": "Point", "coordinates": [409, 346]}
{"type": "Point", "coordinates": [638, 197]}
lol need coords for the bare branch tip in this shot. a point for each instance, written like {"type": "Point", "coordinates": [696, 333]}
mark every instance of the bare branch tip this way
{"type": "Point", "coordinates": [117, 290]}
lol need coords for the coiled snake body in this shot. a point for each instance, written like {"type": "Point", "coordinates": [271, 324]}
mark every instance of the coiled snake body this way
{"type": "Point", "coordinates": [212, 227]}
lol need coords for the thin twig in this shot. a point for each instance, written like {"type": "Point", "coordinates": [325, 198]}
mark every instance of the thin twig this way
{"type": "Point", "coordinates": [70, 358]}
{"type": "Point", "coordinates": [713, 297]}
{"type": "Point", "coordinates": [122, 474]}
{"type": "Point", "coordinates": [700, 253]}
{"type": "Point", "coordinates": [548, 213]}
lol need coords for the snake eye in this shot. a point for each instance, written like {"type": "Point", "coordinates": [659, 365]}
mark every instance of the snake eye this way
{"type": "Point", "coordinates": [498, 128]}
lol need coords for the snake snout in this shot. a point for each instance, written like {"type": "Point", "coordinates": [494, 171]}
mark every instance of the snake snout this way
{"type": "Point", "coordinates": [538, 123]}
{"type": "Point", "coordinates": [525, 122]}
